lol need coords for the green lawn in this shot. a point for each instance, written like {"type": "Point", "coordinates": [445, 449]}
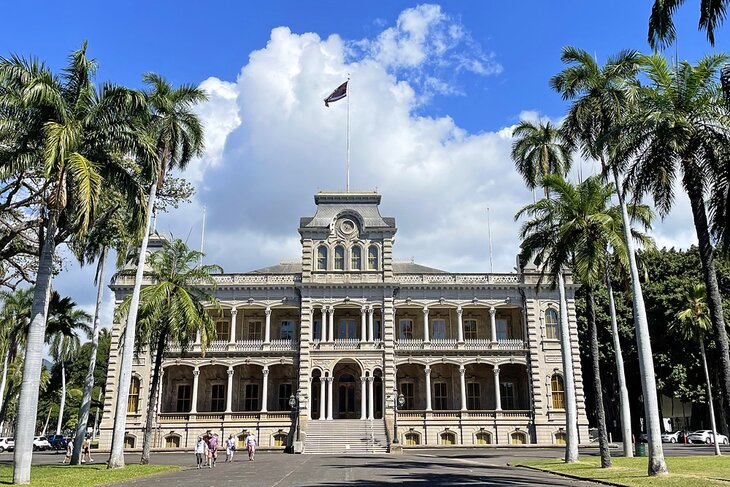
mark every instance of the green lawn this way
{"type": "Point", "coordinates": [684, 471]}
{"type": "Point", "coordinates": [84, 475]}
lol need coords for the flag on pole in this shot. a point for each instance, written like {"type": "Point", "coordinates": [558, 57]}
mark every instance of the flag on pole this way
{"type": "Point", "coordinates": [338, 94]}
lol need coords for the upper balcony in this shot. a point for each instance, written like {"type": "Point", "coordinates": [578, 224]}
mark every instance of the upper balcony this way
{"type": "Point", "coordinates": [467, 344]}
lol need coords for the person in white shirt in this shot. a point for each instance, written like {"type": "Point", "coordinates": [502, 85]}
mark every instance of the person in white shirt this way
{"type": "Point", "coordinates": [230, 448]}
{"type": "Point", "coordinates": [201, 451]}
{"type": "Point", "coordinates": [251, 446]}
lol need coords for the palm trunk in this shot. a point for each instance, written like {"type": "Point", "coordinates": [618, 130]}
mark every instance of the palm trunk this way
{"type": "Point", "coordinates": [597, 387]}
{"type": "Point", "coordinates": [4, 380]}
{"type": "Point", "coordinates": [566, 351]}
{"type": "Point", "coordinates": [59, 423]}
{"type": "Point", "coordinates": [713, 425]}
{"type": "Point", "coordinates": [714, 299]}
{"type": "Point", "coordinates": [152, 403]}
{"type": "Point", "coordinates": [45, 425]}
{"type": "Point", "coordinates": [623, 390]}
{"type": "Point", "coordinates": [96, 417]}
{"type": "Point", "coordinates": [657, 465]}
{"type": "Point", "coordinates": [29, 388]}
{"type": "Point", "coordinates": [116, 458]}
{"type": "Point", "coordinates": [89, 380]}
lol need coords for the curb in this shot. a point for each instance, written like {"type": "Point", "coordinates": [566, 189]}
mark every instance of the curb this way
{"type": "Point", "coordinates": [567, 475]}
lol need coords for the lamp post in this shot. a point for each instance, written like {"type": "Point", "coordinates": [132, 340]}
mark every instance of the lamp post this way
{"type": "Point", "coordinates": [294, 406]}
{"type": "Point", "coordinates": [399, 401]}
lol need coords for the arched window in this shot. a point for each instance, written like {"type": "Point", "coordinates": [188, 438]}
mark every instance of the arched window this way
{"type": "Point", "coordinates": [280, 439]}
{"type": "Point", "coordinates": [560, 438]}
{"type": "Point", "coordinates": [483, 438]}
{"type": "Point", "coordinates": [551, 324]}
{"type": "Point", "coordinates": [322, 258]}
{"type": "Point", "coordinates": [133, 398]}
{"type": "Point", "coordinates": [412, 438]}
{"type": "Point", "coordinates": [356, 261]}
{"type": "Point", "coordinates": [558, 391]}
{"type": "Point", "coordinates": [241, 441]}
{"type": "Point", "coordinates": [447, 438]}
{"type": "Point", "coordinates": [339, 258]}
{"type": "Point", "coordinates": [517, 438]}
{"type": "Point", "coordinates": [172, 441]}
{"type": "Point", "coordinates": [373, 257]}
{"type": "Point", "coordinates": [129, 441]}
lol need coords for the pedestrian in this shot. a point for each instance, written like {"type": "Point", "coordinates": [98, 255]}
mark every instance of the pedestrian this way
{"type": "Point", "coordinates": [86, 451]}
{"type": "Point", "coordinates": [201, 451]}
{"type": "Point", "coordinates": [69, 451]}
{"type": "Point", "coordinates": [212, 449]}
{"type": "Point", "coordinates": [251, 445]}
{"type": "Point", "coordinates": [230, 448]}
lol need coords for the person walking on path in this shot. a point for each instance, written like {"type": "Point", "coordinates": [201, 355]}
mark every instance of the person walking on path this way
{"type": "Point", "coordinates": [230, 448]}
{"type": "Point", "coordinates": [69, 451]}
{"type": "Point", "coordinates": [201, 451]}
{"type": "Point", "coordinates": [212, 449]}
{"type": "Point", "coordinates": [86, 451]}
{"type": "Point", "coordinates": [251, 446]}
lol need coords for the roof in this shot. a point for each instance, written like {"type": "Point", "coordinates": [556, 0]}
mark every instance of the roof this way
{"type": "Point", "coordinates": [280, 268]}
{"type": "Point", "coordinates": [413, 268]}
{"type": "Point", "coordinates": [363, 204]}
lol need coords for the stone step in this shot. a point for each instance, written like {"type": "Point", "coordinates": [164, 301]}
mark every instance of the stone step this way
{"type": "Point", "coordinates": [346, 436]}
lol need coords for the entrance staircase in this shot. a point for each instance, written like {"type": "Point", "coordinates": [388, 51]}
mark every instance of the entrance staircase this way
{"type": "Point", "coordinates": [346, 436]}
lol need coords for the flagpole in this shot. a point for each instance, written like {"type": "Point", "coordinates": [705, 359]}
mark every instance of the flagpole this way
{"type": "Point", "coordinates": [348, 135]}
{"type": "Point", "coordinates": [489, 229]}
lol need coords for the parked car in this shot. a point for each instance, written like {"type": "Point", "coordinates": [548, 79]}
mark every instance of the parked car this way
{"type": "Point", "coordinates": [670, 437]}
{"type": "Point", "coordinates": [705, 436]}
{"type": "Point", "coordinates": [41, 443]}
{"type": "Point", "coordinates": [7, 444]}
{"type": "Point", "coordinates": [58, 442]}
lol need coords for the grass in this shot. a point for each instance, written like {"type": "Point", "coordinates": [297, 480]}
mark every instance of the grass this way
{"type": "Point", "coordinates": [82, 475]}
{"type": "Point", "coordinates": [684, 471]}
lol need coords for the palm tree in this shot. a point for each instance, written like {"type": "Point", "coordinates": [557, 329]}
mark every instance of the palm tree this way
{"type": "Point", "coordinates": [538, 150]}
{"type": "Point", "coordinates": [64, 320]}
{"type": "Point", "coordinates": [661, 25]}
{"type": "Point", "coordinates": [693, 324]}
{"type": "Point", "coordinates": [682, 132]}
{"type": "Point", "coordinates": [172, 310]}
{"type": "Point", "coordinates": [601, 96]}
{"type": "Point", "coordinates": [178, 137]}
{"type": "Point", "coordinates": [72, 135]}
{"type": "Point", "coordinates": [14, 319]}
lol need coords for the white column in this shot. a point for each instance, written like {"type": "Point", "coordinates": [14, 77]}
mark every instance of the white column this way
{"type": "Point", "coordinates": [371, 328]}
{"type": "Point", "coordinates": [267, 326]}
{"type": "Point", "coordinates": [329, 397]}
{"type": "Point", "coordinates": [331, 328]}
{"type": "Point", "coordinates": [363, 398]}
{"type": "Point", "coordinates": [232, 334]}
{"type": "Point", "coordinates": [265, 391]}
{"type": "Point", "coordinates": [194, 402]}
{"type": "Point", "coordinates": [197, 339]}
{"type": "Point", "coordinates": [311, 326]}
{"type": "Point", "coordinates": [497, 392]}
{"type": "Point", "coordinates": [159, 391]}
{"type": "Point", "coordinates": [462, 381]}
{"type": "Point", "coordinates": [363, 324]}
{"type": "Point", "coordinates": [229, 390]}
{"type": "Point", "coordinates": [460, 327]}
{"type": "Point", "coordinates": [322, 398]}
{"type": "Point", "coordinates": [371, 395]}
{"type": "Point", "coordinates": [493, 323]}
{"type": "Point", "coordinates": [323, 326]}
{"type": "Point", "coordinates": [426, 337]}
{"type": "Point", "coordinates": [427, 370]}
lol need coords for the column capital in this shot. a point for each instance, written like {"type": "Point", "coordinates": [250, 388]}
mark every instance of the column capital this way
{"type": "Point", "coordinates": [267, 311]}
{"type": "Point", "coordinates": [265, 370]}
{"type": "Point", "coordinates": [496, 371]}
{"type": "Point", "coordinates": [363, 309]}
{"type": "Point", "coordinates": [425, 310]}
{"type": "Point", "coordinates": [230, 370]}
{"type": "Point", "coordinates": [331, 310]}
{"type": "Point", "coordinates": [427, 370]}
{"type": "Point", "coordinates": [234, 311]}
{"type": "Point", "coordinates": [329, 379]}
{"type": "Point", "coordinates": [492, 310]}
{"type": "Point", "coordinates": [459, 310]}
{"type": "Point", "coordinates": [462, 370]}
{"type": "Point", "coordinates": [196, 371]}
{"type": "Point", "coordinates": [370, 378]}
{"type": "Point", "coordinates": [371, 310]}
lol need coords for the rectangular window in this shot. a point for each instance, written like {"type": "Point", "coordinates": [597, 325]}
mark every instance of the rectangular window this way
{"type": "Point", "coordinates": [218, 398]}
{"type": "Point", "coordinates": [284, 394]}
{"type": "Point", "coordinates": [317, 329]}
{"type": "Point", "coordinates": [439, 329]}
{"type": "Point", "coordinates": [507, 395]}
{"type": "Point", "coordinates": [287, 330]}
{"type": "Point", "coordinates": [183, 398]}
{"type": "Point", "coordinates": [473, 396]}
{"type": "Point", "coordinates": [440, 396]}
{"type": "Point", "coordinates": [251, 397]}
{"type": "Point", "coordinates": [222, 328]}
{"type": "Point", "coordinates": [346, 328]}
{"type": "Point", "coordinates": [254, 330]}
{"type": "Point", "coordinates": [377, 330]}
{"type": "Point", "coordinates": [406, 329]}
{"type": "Point", "coordinates": [503, 329]}
{"type": "Point", "coordinates": [407, 389]}
{"type": "Point", "coordinates": [470, 329]}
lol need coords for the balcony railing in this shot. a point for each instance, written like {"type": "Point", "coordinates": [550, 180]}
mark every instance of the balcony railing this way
{"type": "Point", "coordinates": [347, 343]}
{"type": "Point", "coordinates": [406, 415]}
{"type": "Point", "coordinates": [282, 345]}
{"type": "Point", "coordinates": [218, 417]}
{"type": "Point", "coordinates": [409, 344]}
{"type": "Point", "coordinates": [511, 344]}
{"type": "Point", "coordinates": [443, 344]}
{"type": "Point", "coordinates": [452, 344]}
{"type": "Point", "coordinates": [248, 345]}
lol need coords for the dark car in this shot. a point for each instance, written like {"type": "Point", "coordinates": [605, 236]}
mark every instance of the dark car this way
{"type": "Point", "coordinates": [58, 442]}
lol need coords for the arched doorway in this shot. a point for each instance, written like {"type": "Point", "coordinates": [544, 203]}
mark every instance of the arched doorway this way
{"type": "Point", "coordinates": [346, 390]}
{"type": "Point", "coordinates": [316, 391]}
{"type": "Point", "coordinates": [378, 394]}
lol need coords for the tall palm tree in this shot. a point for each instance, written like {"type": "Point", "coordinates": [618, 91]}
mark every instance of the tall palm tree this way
{"type": "Point", "coordinates": [178, 136]}
{"type": "Point", "coordinates": [72, 135]}
{"type": "Point", "coordinates": [682, 133]}
{"type": "Point", "coordinates": [65, 320]}
{"type": "Point", "coordinates": [14, 319]}
{"type": "Point", "coordinates": [693, 324]}
{"type": "Point", "coordinates": [661, 24]}
{"type": "Point", "coordinates": [539, 149]}
{"type": "Point", "coordinates": [601, 97]}
{"type": "Point", "coordinates": [173, 310]}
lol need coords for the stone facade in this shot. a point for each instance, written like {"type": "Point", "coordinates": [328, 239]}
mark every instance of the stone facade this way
{"type": "Point", "coordinates": [346, 331]}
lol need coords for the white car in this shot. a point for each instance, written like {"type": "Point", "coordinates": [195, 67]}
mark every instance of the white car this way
{"type": "Point", "coordinates": [41, 443]}
{"type": "Point", "coordinates": [670, 437]}
{"type": "Point", "coordinates": [705, 436]}
{"type": "Point", "coordinates": [7, 444]}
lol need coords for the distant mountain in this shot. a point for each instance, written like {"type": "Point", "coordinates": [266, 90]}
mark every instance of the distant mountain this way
{"type": "Point", "coordinates": [47, 364]}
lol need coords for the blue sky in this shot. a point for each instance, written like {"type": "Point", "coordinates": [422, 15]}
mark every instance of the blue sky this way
{"type": "Point", "coordinates": [435, 92]}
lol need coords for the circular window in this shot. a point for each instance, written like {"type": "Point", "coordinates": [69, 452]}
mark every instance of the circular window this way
{"type": "Point", "coordinates": [347, 227]}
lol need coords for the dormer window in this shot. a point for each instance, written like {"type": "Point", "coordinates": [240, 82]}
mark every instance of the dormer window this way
{"type": "Point", "coordinates": [356, 262]}
{"type": "Point", "coordinates": [339, 258]}
{"type": "Point", "coordinates": [373, 258]}
{"type": "Point", "coordinates": [322, 258]}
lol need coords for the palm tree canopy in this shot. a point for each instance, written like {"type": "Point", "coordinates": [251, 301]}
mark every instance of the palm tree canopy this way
{"type": "Point", "coordinates": [661, 23]}
{"type": "Point", "coordinates": [694, 321]}
{"type": "Point", "coordinates": [65, 319]}
{"type": "Point", "coordinates": [539, 149]}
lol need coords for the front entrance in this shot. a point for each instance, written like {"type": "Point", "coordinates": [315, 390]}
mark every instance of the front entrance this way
{"type": "Point", "coordinates": [346, 397]}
